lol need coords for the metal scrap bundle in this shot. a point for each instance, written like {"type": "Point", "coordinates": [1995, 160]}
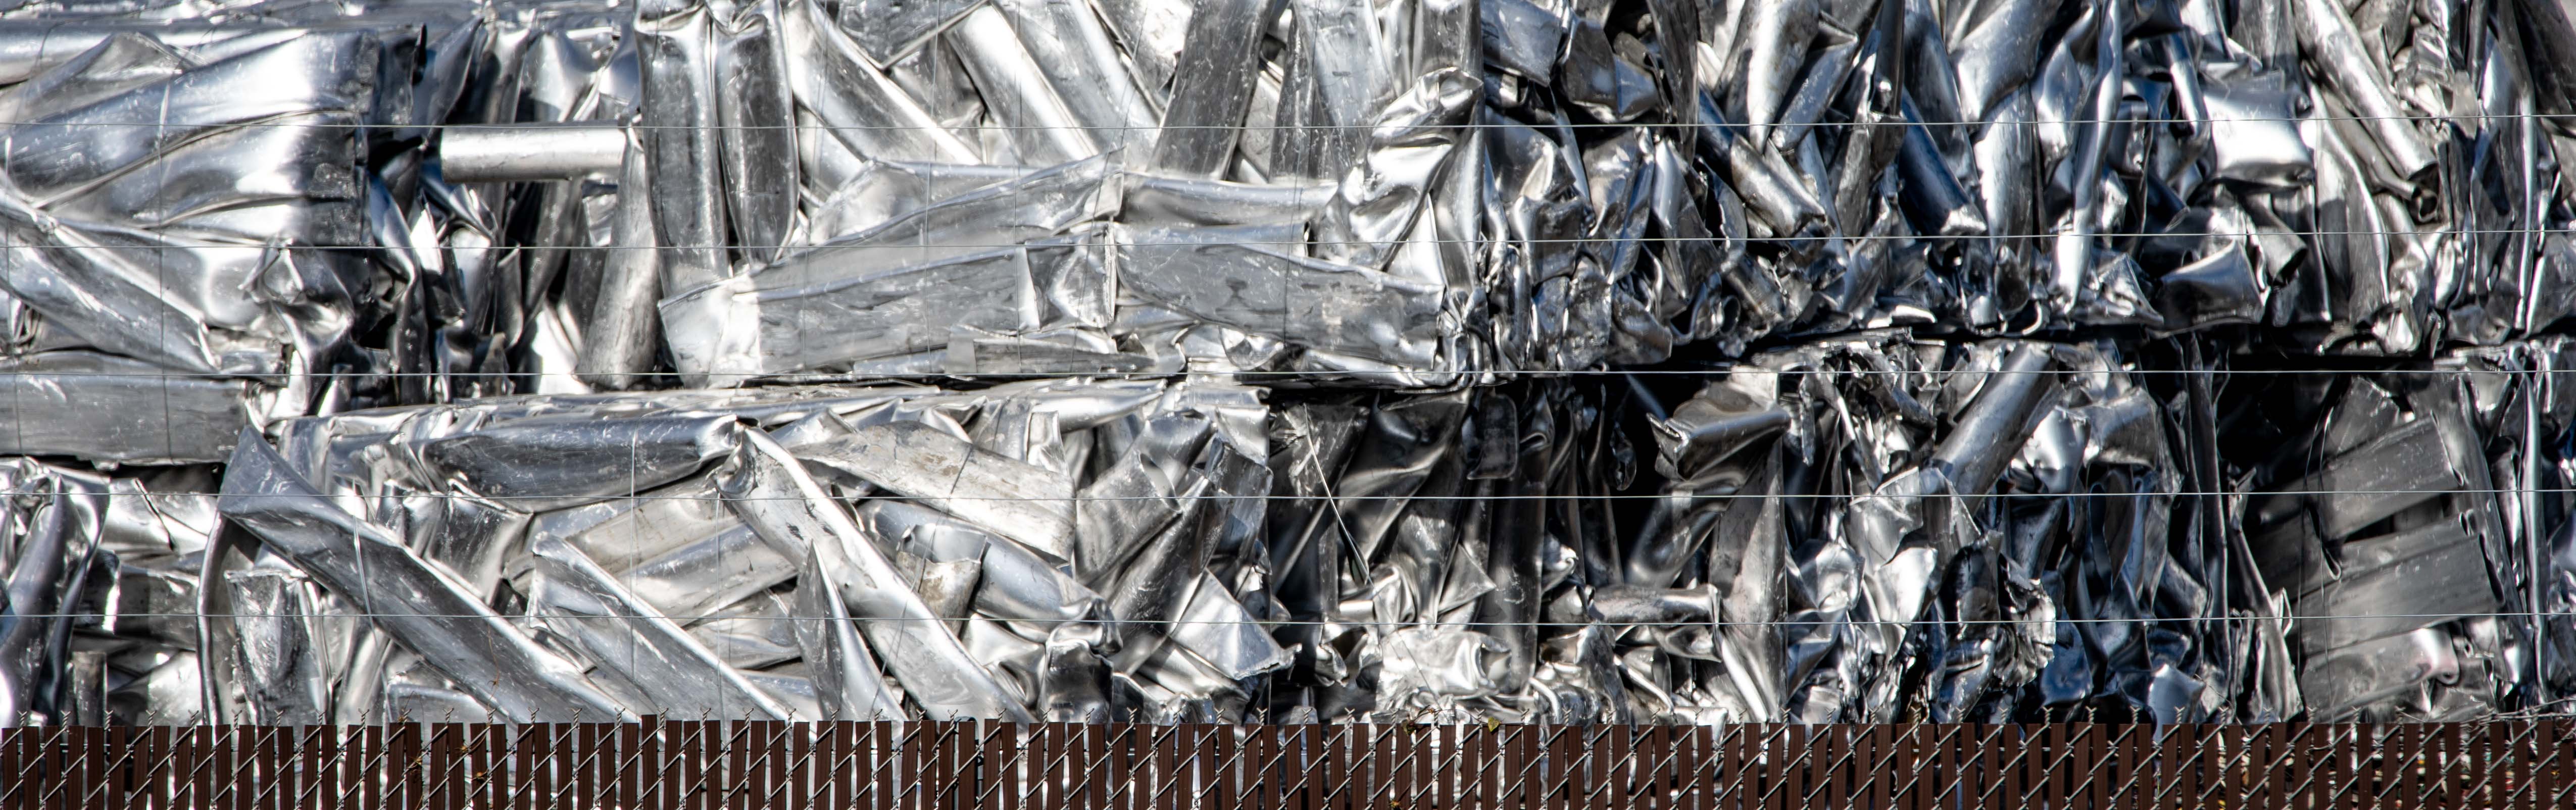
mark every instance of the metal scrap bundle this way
{"type": "Point", "coordinates": [1533, 360]}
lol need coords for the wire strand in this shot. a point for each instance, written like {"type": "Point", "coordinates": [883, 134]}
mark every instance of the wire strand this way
{"type": "Point", "coordinates": [1305, 623]}
{"type": "Point", "coordinates": [1728, 127]}
{"type": "Point", "coordinates": [1103, 245]}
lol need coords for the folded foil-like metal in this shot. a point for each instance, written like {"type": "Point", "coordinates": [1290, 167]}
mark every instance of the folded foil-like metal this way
{"type": "Point", "coordinates": [1817, 361]}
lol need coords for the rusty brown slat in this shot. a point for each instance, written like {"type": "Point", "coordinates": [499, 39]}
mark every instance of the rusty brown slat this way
{"type": "Point", "coordinates": [1298, 761]}
{"type": "Point", "coordinates": [1874, 758]}
{"type": "Point", "coordinates": [1763, 756]}
{"type": "Point", "coordinates": [360, 750]}
{"type": "Point", "coordinates": [2101, 762]}
{"type": "Point", "coordinates": [1606, 754]}
{"type": "Point", "coordinates": [2549, 770]}
{"type": "Point", "coordinates": [1386, 766]}
{"type": "Point", "coordinates": [81, 779]}
{"type": "Point", "coordinates": [2289, 770]}
{"type": "Point", "coordinates": [445, 753]}
{"type": "Point", "coordinates": [2507, 764]}
{"type": "Point", "coordinates": [1698, 777]}
{"type": "Point", "coordinates": [1047, 765]}
{"type": "Point", "coordinates": [1228, 787]}
{"type": "Point", "coordinates": [1665, 760]}
{"type": "Point", "coordinates": [123, 743]}
{"type": "Point", "coordinates": [842, 761]}
{"type": "Point", "coordinates": [1440, 754]}
{"type": "Point", "coordinates": [1093, 789]}
{"type": "Point", "coordinates": [1680, 762]}
{"type": "Point", "coordinates": [227, 758]}
{"type": "Point", "coordinates": [1125, 748]}
{"type": "Point", "coordinates": [322, 786]}
{"type": "Point", "coordinates": [1265, 769]}
{"type": "Point", "coordinates": [2019, 755]}
{"type": "Point", "coordinates": [143, 785]}
{"type": "Point", "coordinates": [746, 775]}
{"type": "Point", "coordinates": [2519, 791]}
{"type": "Point", "coordinates": [652, 764]}
{"type": "Point", "coordinates": [2226, 769]}
{"type": "Point", "coordinates": [867, 792]}
{"type": "Point", "coordinates": [2272, 767]}
{"type": "Point", "coordinates": [2559, 786]}
{"type": "Point", "coordinates": [738, 780]}
{"type": "Point", "coordinates": [1674, 768]}
{"type": "Point", "coordinates": [1895, 746]}
{"type": "Point", "coordinates": [919, 763]}
{"type": "Point", "coordinates": [2330, 773]}
{"type": "Point", "coordinates": [537, 767]}
{"type": "Point", "coordinates": [597, 772]}
{"type": "Point", "coordinates": [1740, 781]}
{"type": "Point", "coordinates": [18, 760]}
{"type": "Point", "coordinates": [2411, 784]}
{"type": "Point", "coordinates": [1537, 768]}
{"type": "Point", "coordinates": [2169, 774]}
{"type": "Point", "coordinates": [2260, 766]}
{"type": "Point", "coordinates": [1860, 765]}
{"type": "Point", "coordinates": [995, 752]}
{"type": "Point", "coordinates": [2052, 765]}
{"type": "Point", "coordinates": [1795, 766]}
{"type": "Point", "coordinates": [1830, 753]}
{"type": "Point", "coordinates": [959, 748]}
{"type": "Point", "coordinates": [1175, 754]}
{"type": "Point", "coordinates": [2437, 758]}
{"type": "Point", "coordinates": [832, 758]}
{"type": "Point", "coordinates": [2476, 767]}
{"type": "Point", "coordinates": [2417, 782]}
{"type": "Point", "coordinates": [427, 761]}
{"type": "Point", "coordinates": [695, 749]}
{"type": "Point", "coordinates": [2387, 769]}
{"type": "Point", "coordinates": [2223, 774]}
{"type": "Point", "coordinates": [88, 766]}
{"type": "Point", "coordinates": [410, 789]}
{"type": "Point", "coordinates": [1564, 767]}
{"type": "Point", "coordinates": [625, 765]}
{"type": "Point", "coordinates": [762, 777]}
{"type": "Point", "coordinates": [277, 758]}
{"type": "Point", "coordinates": [118, 787]}
{"type": "Point", "coordinates": [2132, 748]}
{"type": "Point", "coordinates": [1003, 754]}
{"type": "Point", "coordinates": [2087, 760]}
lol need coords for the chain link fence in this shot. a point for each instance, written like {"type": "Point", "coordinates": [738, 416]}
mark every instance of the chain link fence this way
{"type": "Point", "coordinates": [764, 765]}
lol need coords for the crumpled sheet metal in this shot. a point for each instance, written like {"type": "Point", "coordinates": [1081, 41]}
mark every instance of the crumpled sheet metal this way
{"type": "Point", "coordinates": [1048, 549]}
{"type": "Point", "coordinates": [1938, 310]}
{"type": "Point", "coordinates": [1870, 528]}
{"type": "Point", "coordinates": [1410, 196]}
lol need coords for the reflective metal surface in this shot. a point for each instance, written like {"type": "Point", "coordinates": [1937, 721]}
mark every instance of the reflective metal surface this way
{"type": "Point", "coordinates": [1532, 360]}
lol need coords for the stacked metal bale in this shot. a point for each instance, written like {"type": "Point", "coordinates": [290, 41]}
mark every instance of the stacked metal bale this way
{"type": "Point", "coordinates": [1573, 361]}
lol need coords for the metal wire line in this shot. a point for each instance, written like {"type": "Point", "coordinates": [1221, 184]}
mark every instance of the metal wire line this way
{"type": "Point", "coordinates": [859, 382]}
{"type": "Point", "coordinates": [1728, 126]}
{"type": "Point", "coordinates": [1035, 245]}
{"type": "Point", "coordinates": [1306, 623]}
{"type": "Point", "coordinates": [1335, 498]}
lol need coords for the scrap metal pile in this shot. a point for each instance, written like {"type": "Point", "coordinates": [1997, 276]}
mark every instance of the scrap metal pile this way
{"type": "Point", "coordinates": [1236, 360]}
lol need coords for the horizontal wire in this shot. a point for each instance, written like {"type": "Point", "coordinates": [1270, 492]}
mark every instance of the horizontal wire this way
{"type": "Point", "coordinates": [821, 246]}
{"type": "Point", "coordinates": [857, 380]}
{"type": "Point", "coordinates": [1305, 623]}
{"type": "Point", "coordinates": [557, 126]}
{"type": "Point", "coordinates": [1607, 496]}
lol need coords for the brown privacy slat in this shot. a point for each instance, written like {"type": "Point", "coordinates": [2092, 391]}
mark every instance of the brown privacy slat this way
{"type": "Point", "coordinates": [776, 765]}
{"type": "Point", "coordinates": [2550, 742]}
{"type": "Point", "coordinates": [1275, 768]}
